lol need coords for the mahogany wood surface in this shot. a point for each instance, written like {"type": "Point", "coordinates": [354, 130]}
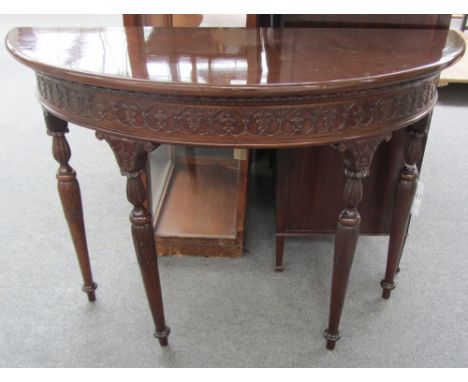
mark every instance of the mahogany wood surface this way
{"type": "Point", "coordinates": [360, 56]}
{"type": "Point", "coordinates": [70, 197]}
{"type": "Point", "coordinates": [416, 21]}
{"type": "Point", "coordinates": [405, 190]}
{"type": "Point", "coordinates": [131, 156]}
{"type": "Point", "coordinates": [357, 159]}
{"type": "Point", "coordinates": [283, 88]}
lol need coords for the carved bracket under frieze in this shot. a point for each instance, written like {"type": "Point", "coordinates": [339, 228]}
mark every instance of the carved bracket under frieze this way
{"type": "Point", "coordinates": [357, 158]}
{"type": "Point", "coordinates": [129, 153]}
{"type": "Point", "coordinates": [131, 156]}
{"type": "Point", "coordinates": [357, 155]}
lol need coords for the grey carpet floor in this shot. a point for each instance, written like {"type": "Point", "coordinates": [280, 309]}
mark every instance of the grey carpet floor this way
{"type": "Point", "coordinates": [222, 312]}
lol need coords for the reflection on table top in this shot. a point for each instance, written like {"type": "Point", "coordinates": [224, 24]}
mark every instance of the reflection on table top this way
{"type": "Point", "coordinates": [235, 59]}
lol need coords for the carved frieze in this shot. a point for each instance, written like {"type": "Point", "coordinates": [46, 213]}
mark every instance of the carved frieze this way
{"type": "Point", "coordinates": [289, 116]}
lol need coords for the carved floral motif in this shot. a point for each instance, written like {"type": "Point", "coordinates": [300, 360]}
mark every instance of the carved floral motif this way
{"type": "Point", "coordinates": [358, 154]}
{"type": "Point", "coordinates": [357, 158]}
{"type": "Point", "coordinates": [297, 115]}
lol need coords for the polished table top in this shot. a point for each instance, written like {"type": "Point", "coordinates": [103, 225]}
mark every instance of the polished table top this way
{"type": "Point", "coordinates": [235, 61]}
{"type": "Point", "coordinates": [216, 87]}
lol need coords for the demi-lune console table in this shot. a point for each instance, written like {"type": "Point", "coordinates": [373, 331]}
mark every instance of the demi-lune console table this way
{"type": "Point", "coordinates": [242, 88]}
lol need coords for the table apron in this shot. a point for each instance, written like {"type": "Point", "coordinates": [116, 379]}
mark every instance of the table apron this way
{"type": "Point", "coordinates": [289, 121]}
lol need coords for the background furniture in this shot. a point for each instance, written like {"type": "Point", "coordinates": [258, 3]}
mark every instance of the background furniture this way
{"type": "Point", "coordinates": [458, 73]}
{"type": "Point", "coordinates": [162, 20]}
{"type": "Point", "coordinates": [464, 22]}
{"type": "Point", "coordinates": [199, 200]}
{"type": "Point", "coordinates": [200, 206]}
{"type": "Point", "coordinates": [183, 20]}
{"type": "Point", "coordinates": [308, 198]}
{"type": "Point", "coordinates": [355, 21]}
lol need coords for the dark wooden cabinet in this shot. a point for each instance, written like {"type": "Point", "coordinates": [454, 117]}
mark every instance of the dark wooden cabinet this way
{"type": "Point", "coordinates": [308, 181]}
{"type": "Point", "coordinates": [309, 187]}
{"type": "Point", "coordinates": [355, 21]}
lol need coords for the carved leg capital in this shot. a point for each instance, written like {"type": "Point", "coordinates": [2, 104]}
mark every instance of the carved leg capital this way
{"type": "Point", "coordinates": [357, 158]}
{"type": "Point", "coordinates": [131, 157]}
{"type": "Point", "coordinates": [70, 196]}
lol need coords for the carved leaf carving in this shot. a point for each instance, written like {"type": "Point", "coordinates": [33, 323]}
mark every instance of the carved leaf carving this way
{"type": "Point", "coordinates": [297, 116]}
{"type": "Point", "coordinates": [129, 153]}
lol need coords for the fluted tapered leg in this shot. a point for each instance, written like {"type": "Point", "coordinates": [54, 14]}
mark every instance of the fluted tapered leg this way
{"type": "Point", "coordinates": [131, 157]}
{"type": "Point", "coordinates": [69, 191]}
{"type": "Point", "coordinates": [357, 157]}
{"type": "Point", "coordinates": [405, 191]}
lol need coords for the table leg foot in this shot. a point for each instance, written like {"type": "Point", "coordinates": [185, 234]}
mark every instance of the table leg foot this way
{"type": "Point", "coordinates": [332, 339]}
{"type": "Point", "coordinates": [89, 290]}
{"type": "Point", "coordinates": [387, 289]}
{"type": "Point", "coordinates": [163, 337]}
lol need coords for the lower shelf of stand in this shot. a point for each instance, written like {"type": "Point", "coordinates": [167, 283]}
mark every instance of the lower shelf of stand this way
{"type": "Point", "coordinates": [199, 211]}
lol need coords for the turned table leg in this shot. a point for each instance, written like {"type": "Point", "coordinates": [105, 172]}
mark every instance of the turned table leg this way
{"type": "Point", "coordinates": [69, 191]}
{"type": "Point", "coordinates": [403, 245]}
{"type": "Point", "coordinates": [357, 157]}
{"type": "Point", "coordinates": [131, 157]}
{"type": "Point", "coordinates": [405, 190]}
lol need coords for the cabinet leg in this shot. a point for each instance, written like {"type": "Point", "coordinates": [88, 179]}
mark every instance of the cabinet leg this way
{"type": "Point", "coordinates": [279, 253]}
{"type": "Point", "coordinates": [70, 197]}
